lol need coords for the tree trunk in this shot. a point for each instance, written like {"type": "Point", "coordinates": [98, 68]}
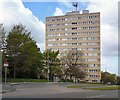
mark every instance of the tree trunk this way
{"type": "Point", "coordinates": [14, 73]}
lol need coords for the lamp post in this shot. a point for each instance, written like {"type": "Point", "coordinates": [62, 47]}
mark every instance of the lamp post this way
{"type": "Point", "coordinates": [48, 64]}
{"type": "Point", "coordinates": [6, 64]}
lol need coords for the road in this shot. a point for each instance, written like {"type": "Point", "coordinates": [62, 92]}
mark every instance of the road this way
{"type": "Point", "coordinates": [56, 90]}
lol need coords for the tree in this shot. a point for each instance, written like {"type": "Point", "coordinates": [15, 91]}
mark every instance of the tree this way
{"type": "Point", "coordinates": [118, 80]}
{"type": "Point", "coordinates": [3, 55]}
{"type": "Point", "coordinates": [25, 56]}
{"type": "Point", "coordinates": [2, 37]}
{"type": "Point", "coordinates": [108, 77]}
{"type": "Point", "coordinates": [52, 63]}
{"type": "Point", "coordinates": [74, 64]}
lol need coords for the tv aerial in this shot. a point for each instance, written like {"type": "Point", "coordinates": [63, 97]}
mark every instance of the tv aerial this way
{"type": "Point", "coordinates": [75, 4]}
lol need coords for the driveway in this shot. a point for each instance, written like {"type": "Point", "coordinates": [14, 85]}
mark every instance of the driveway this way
{"type": "Point", "coordinates": [56, 90]}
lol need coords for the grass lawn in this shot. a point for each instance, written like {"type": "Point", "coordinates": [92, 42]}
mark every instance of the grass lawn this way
{"type": "Point", "coordinates": [96, 87]}
{"type": "Point", "coordinates": [26, 80]}
{"type": "Point", "coordinates": [107, 88]}
{"type": "Point", "coordinates": [82, 85]}
{"type": "Point", "coordinates": [74, 86]}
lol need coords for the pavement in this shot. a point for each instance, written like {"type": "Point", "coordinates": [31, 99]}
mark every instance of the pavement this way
{"type": "Point", "coordinates": [55, 90]}
{"type": "Point", "coordinates": [7, 88]}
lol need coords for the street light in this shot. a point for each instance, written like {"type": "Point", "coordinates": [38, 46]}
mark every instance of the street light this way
{"type": "Point", "coordinates": [6, 64]}
{"type": "Point", "coordinates": [48, 64]}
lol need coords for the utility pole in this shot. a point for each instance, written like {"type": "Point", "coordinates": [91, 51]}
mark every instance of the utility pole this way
{"type": "Point", "coordinates": [48, 64]}
{"type": "Point", "coordinates": [75, 4]}
{"type": "Point", "coordinates": [6, 65]}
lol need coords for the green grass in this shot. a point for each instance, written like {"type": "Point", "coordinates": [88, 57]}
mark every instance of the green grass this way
{"type": "Point", "coordinates": [106, 88]}
{"type": "Point", "coordinates": [96, 86]}
{"type": "Point", "coordinates": [82, 85]}
{"type": "Point", "coordinates": [74, 86]}
{"type": "Point", "coordinates": [26, 80]}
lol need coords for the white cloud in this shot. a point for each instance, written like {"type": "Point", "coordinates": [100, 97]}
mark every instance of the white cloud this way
{"type": "Point", "coordinates": [110, 67]}
{"type": "Point", "coordinates": [109, 25]}
{"type": "Point", "coordinates": [58, 12]}
{"type": "Point", "coordinates": [109, 32]}
{"type": "Point", "coordinates": [14, 12]}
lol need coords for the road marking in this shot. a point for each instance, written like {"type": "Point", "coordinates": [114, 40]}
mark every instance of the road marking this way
{"type": "Point", "coordinates": [96, 96]}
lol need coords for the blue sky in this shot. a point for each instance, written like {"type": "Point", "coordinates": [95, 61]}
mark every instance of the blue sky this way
{"type": "Point", "coordinates": [45, 9]}
{"type": "Point", "coordinates": [33, 14]}
{"type": "Point", "coordinates": [42, 9]}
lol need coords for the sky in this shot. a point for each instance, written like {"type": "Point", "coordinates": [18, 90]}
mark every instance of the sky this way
{"type": "Point", "coordinates": [32, 14]}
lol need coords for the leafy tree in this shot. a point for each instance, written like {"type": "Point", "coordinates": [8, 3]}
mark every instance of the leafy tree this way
{"type": "Point", "coordinates": [74, 64]}
{"type": "Point", "coordinates": [118, 80]}
{"type": "Point", "coordinates": [108, 77]}
{"type": "Point", "coordinates": [2, 37]}
{"type": "Point", "coordinates": [3, 55]}
{"type": "Point", "coordinates": [52, 63]}
{"type": "Point", "coordinates": [25, 56]}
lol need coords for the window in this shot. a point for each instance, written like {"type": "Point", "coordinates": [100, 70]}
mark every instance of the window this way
{"type": "Point", "coordinates": [84, 43]}
{"type": "Point", "coordinates": [51, 44]}
{"type": "Point", "coordinates": [69, 38]}
{"type": "Point", "coordinates": [92, 59]}
{"type": "Point", "coordinates": [58, 29]}
{"type": "Point", "coordinates": [53, 20]}
{"type": "Point", "coordinates": [58, 44]}
{"type": "Point", "coordinates": [92, 54]}
{"type": "Point", "coordinates": [51, 34]}
{"type": "Point", "coordinates": [58, 34]}
{"type": "Point", "coordinates": [79, 18]}
{"type": "Point", "coordinates": [74, 43]}
{"type": "Point", "coordinates": [75, 28]}
{"type": "Point", "coordinates": [63, 39]}
{"type": "Point", "coordinates": [58, 19]}
{"type": "Point", "coordinates": [92, 43]}
{"type": "Point", "coordinates": [92, 27]}
{"type": "Point", "coordinates": [92, 38]}
{"type": "Point", "coordinates": [58, 39]}
{"type": "Point", "coordinates": [63, 44]}
{"type": "Point", "coordinates": [79, 48]}
{"type": "Point", "coordinates": [51, 30]}
{"type": "Point", "coordinates": [49, 25]}
{"type": "Point", "coordinates": [84, 38]}
{"type": "Point", "coordinates": [63, 34]}
{"type": "Point", "coordinates": [79, 38]}
{"type": "Point", "coordinates": [90, 49]}
{"type": "Point", "coordinates": [85, 54]}
{"type": "Point", "coordinates": [93, 76]}
{"type": "Point", "coordinates": [74, 48]}
{"type": "Point", "coordinates": [58, 24]}
{"type": "Point", "coordinates": [84, 22]}
{"type": "Point", "coordinates": [79, 43]}
{"type": "Point", "coordinates": [85, 27]}
{"type": "Point", "coordinates": [74, 23]}
{"type": "Point", "coordinates": [51, 39]}
{"type": "Point", "coordinates": [68, 43]}
{"type": "Point", "coordinates": [74, 38]}
{"type": "Point", "coordinates": [84, 49]}
{"type": "Point", "coordinates": [74, 33]}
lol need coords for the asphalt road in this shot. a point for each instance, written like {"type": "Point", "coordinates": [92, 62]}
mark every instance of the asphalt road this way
{"type": "Point", "coordinates": [56, 90]}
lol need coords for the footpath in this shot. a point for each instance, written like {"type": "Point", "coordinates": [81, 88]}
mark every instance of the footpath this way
{"type": "Point", "coordinates": [7, 88]}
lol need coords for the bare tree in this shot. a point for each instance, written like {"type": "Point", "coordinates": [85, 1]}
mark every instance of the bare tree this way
{"type": "Point", "coordinates": [74, 64]}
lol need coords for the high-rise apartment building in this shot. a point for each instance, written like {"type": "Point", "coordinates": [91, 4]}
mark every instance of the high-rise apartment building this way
{"type": "Point", "coordinates": [75, 31]}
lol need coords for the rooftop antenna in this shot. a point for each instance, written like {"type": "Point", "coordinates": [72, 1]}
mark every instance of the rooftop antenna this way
{"type": "Point", "coordinates": [105, 69]}
{"type": "Point", "coordinates": [75, 4]}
